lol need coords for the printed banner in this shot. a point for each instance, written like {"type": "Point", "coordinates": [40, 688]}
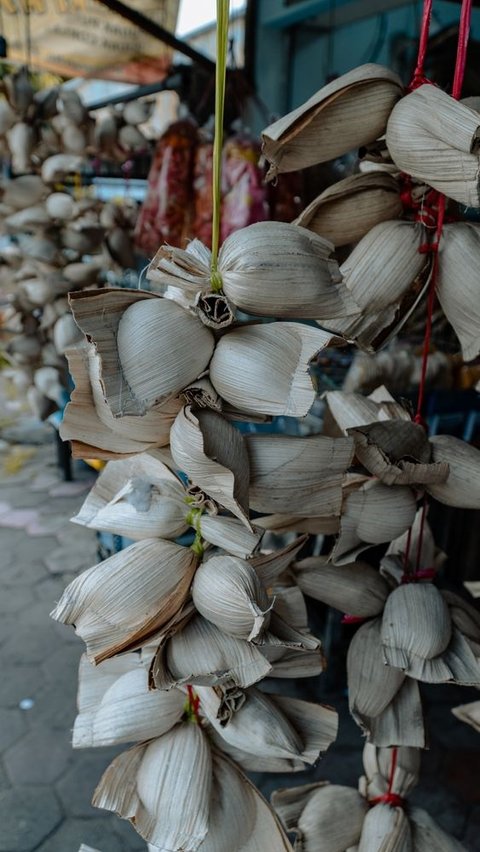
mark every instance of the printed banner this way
{"type": "Point", "coordinates": [83, 38]}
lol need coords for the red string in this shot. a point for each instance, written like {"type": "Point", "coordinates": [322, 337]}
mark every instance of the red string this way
{"type": "Point", "coordinates": [461, 60]}
{"type": "Point", "coordinates": [419, 78]}
{"type": "Point", "coordinates": [194, 701]}
{"type": "Point", "coordinates": [390, 798]}
{"type": "Point", "coordinates": [352, 619]}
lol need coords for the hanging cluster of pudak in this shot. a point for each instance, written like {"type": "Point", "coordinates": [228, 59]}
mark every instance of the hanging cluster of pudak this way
{"type": "Point", "coordinates": [63, 240]}
{"type": "Point", "coordinates": [158, 381]}
{"type": "Point", "coordinates": [330, 818]}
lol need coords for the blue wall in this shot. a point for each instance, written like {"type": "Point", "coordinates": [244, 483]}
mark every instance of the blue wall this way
{"type": "Point", "coordinates": [292, 62]}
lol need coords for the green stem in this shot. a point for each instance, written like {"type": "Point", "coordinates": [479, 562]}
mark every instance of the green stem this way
{"type": "Point", "coordinates": [223, 10]}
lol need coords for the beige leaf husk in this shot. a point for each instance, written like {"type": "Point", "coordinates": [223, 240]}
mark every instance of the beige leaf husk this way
{"type": "Point", "coordinates": [305, 473]}
{"type": "Point", "coordinates": [202, 654]}
{"type": "Point", "coordinates": [264, 368]}
{"type": "Point", "coordinates": [296, 523]}
{"type": "Point", "coordinates": [386, 829]}
{"type": "Point", "coordinates": [277, 732]}
{"type": "Point", "coordinates": [121, 602]}
{"type": "Point", "coordinates": [418, 636]}
{"type": "Point", "coordinates": [351, 410]}
{"type": "Point", "coordinates": [398, 453]}
{"type": "Point", "coordinates": [347, 210]}
{"type": "Point", "coordinates": [90, 425]}
{"type": "Point", "coordinates": [56, 168]}
{"type": "Point", "coordinates": [465, 617]}
{"type": "Point", "coordinates": [462, 487]}
{"type": "Point", "coordinates": [469, 713]}
{"type": "Point", "coordinates": [23, 191]}
{"type": "Point", "coordinates": [372, 514]}
{"type": "Point", "coordinates": [357, 588]}
{"type": "Point", "coordinates": [213, 455]}
{"type": "Point", "coordinates": [325, 817]}
{"type": "Point", "coordinates": [230, 534]}
{"type": "Point", "coordinates": [428, 836]}
{"type": "Point", "coordinates": [419, 540]}
{"type": "Point", "coordinates": [270, 566]}
{"type": "Point", "coordinates": [345, 114]}
{"type": "Point", "coordinates": [84, 848]}
{"type": "Point", "coordinates": [473, 587]}
{"type": "Point", "coordinates": [434, 138]}
{"type": "Point", "coordinates": [227, 591]}
{"type": "Point", "coordinates": [258, 264]}
{"type": "Point", "coordinates": [117, 707]}
{"type": "Point", "coordinates": [240, 818]}
{"type": "Point", "coordinates": [416, 622]}
{"type": "Point", "coordinates": [163, 787]}
{"type": "Point", "coordinates": [137, 498]}
{"type": "Point", "coordinates": [379, 274]}
{"type": "Point", "coordinates": [133, 338]}
{"type": "Point", "coordinates": [384, 703]}
{"type": "Point", "coordinates": [458, 295]}
{"type": "Point", "coordinates": [377, 764]}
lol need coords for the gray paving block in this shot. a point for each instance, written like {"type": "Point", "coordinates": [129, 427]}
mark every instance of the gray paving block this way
{"type": "Point", "coordinates": [8, 624]}
{"type": "Point", "coordinates": [75, 789]}
{"type": "Point", "coordinates": [19, 682]}
{"type": "Point", "coordinates": [27, 817]}
{"type": "Point", "coordinates": [66, 558]}
{"type": "Point", "coordinates": [30, 645]}
{"type": "Point", "coordinates": [93, 832]}
{"type": "Point", "coordinates": [6, 557]}
{"type": "Point", "coordinates": [66, 633]}
{"type": "Point", "coordinates": [15, 599]}
{"type": "Point", "coordinates": [23, 574]}
{"type": "Point", "coordinates": [55, 706]}
{"type": "Point", "coordinates": [12, 726]}
{"type": "Point", "coordinates": [132, 841]}
{"type": "Point", "coordinates": [447, 809]}
{"type": "Point", "coordinates": [40, 757]}
{"type": "Point", "coordinates": [4, 779]}
{"type": "Point", "coordinates": [50, 589]}
{"type": "Point", "coordinates": [34, 547]}
{"type": "Point", "coordinates": [62, 665]}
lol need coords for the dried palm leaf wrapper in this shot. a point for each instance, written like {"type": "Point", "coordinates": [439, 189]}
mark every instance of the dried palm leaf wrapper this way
{"type": "Point", "coordinates": [372, 514]}
{"type": "Point", "coordinates": [283, 523]}
{"type": "Point", "coordinates": [379, 779]}
{"type": "Point", "coordinates": [464, 616]}
{"type": "Point", "coordinates": [304, 473]}
{"type": "Point", "coordinates": [163, 787]}
{"type": "Point", "coordinates": [213, 455]}
{"type": "Point", "coordinates": [382, 700]}
{"type": "Point", "coordinates": [324, 817]}
{"type": "Point", "coordinates": [279, 733]}
{"type": "Point", "coordinates": [347, 210]}
{"type": "Point", "coordinates": [134, 334]}
{"type": "Point", "coordinates": [240, 819]}
{"type": "Point", "coordinates": [427, 834]}
{"type": "Point", "coordinates": [351, 410]}
{"type": "Point", "coordinates": [228, 592]}
{"type": "Point", "coordinates": [435, 138]}
{"type": "Point", "coordinates": [380, 275]}
{"type": "Point", "coordinates": [398, 452]}
{"type": "Point", "coordinates": [418, 637]}
{"type": "Point", "coordinates": [90, 425]}
{"type": "Point", "coordinates": [457, 283]}
{"type": "Point", "coordinates": [264, 368]}
{"type": "Point", "coordinates": [131, 596]}
{"type": "Point", "coordinates": [469, 713]}
{"type": "Point", "coordinates": [256, 266]}
{"type": "Point", "coordinates": [345, 114]}
{"type": "Point", "coordinates": [116, 706]}
{"type": "Point", "coordinates": [357, 589]}
{"type": "Point", "coordinates": [386, 829]}
{"type": "Point", "coordinates": [202, 654]}
{"type": "Point", "coordinates": [462, 486]}
{"type": "Point", "coordinates": [137, 498]}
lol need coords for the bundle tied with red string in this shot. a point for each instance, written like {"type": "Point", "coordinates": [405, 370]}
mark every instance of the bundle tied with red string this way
{"type": "Point", "coordinates": [332, 818]}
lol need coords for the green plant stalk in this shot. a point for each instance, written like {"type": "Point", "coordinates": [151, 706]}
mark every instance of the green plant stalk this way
{"type": "Point", "coordinates": [223, 14]}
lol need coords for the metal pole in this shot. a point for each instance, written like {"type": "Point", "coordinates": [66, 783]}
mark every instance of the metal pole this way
{"type": "Point", "coordinates": [158, 32]}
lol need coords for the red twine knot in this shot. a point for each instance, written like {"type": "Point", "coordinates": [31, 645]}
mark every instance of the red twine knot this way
{"type": "Point", "coordinates": [352, 619]}
{"type": "Point", "coordinates": [423, 574]}
{"type": "Point", "coordinates": [392, 799]}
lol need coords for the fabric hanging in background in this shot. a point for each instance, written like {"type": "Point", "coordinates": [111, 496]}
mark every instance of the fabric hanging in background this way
{"type": "Point", "coordinates": [178, 204]}
{"type": "Point", "coordinates": [166, 213]}
{"type": "Point", "coordinates": [82, 38]}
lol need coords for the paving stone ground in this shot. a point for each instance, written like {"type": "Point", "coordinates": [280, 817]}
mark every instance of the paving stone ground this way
{"type": "Point", "coordinates": [45, 786]}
